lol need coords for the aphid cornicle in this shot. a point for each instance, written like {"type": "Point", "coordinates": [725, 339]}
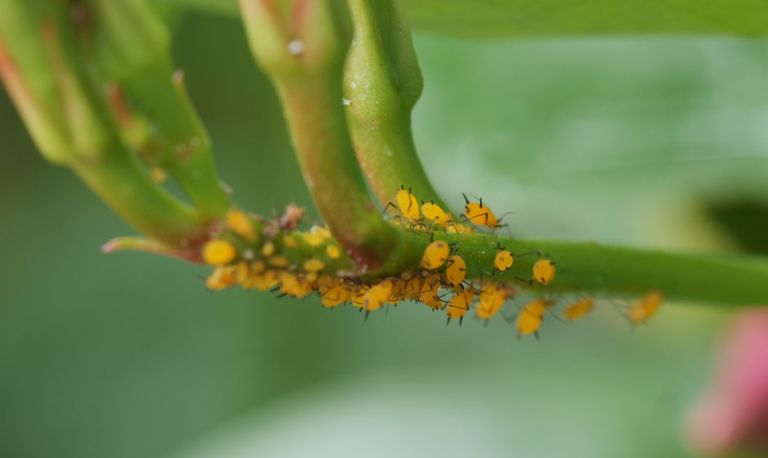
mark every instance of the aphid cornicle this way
{"type": "Point", "coordinates": [645, 307]}
{"type": "Point", "coordinates": [479, 213]}
{"type": "Point", "coordinates": [544, 271]}
{"type": "Point", "coordinates": [435, 255]}
{"type": "Point", "coordinates": [434, 214]}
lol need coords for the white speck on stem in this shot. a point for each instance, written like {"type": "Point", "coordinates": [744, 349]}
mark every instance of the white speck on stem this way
{"type": "Point", "coordinates": [296, 47]}
{"type": "Point", "coordinates": [346, 102]}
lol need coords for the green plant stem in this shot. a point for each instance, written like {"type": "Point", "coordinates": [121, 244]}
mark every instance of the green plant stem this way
{"type": "Point", "coordinates": [66, 114]}
{"type": "Point", "coordinates": [382, 83]}
{"type": "Point", "coordinates": [308, 81]}
{"type": "Point", "coordinates": [128, 44]}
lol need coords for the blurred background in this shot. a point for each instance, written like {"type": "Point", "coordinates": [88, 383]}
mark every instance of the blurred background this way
{"type": "Point", "coordinates": [649, 142]}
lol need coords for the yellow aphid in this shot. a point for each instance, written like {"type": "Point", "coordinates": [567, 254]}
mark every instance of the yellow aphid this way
{"type": "Point", "coordinates": [530, 317]}
{"type": "Point", "coordinates": [492, 298]}
{"type": "Point", "coordinates": [262, 281]}
{"type": "Point", "coordinates": [289, 241]}
{"type": "Point", "coordinates": [377, 295]}
{"type": "Point", "coordinates": [221, 278]}
{"type": "Point", "coordinates": [412, 288]}
{"type": "Point", "coordinates": [459, 305]}
{"type": "Point", "coordinates": [239, 223]}
{"type": "Point", "coordinates": [645, 307]}
{"type": "Point", "coordinates": [312, 239]}
{"type": "Point", "coordinates": [407, 204]}
{"type": "Point", "coordinates": [279, 261]}
{"type": "Point", "coordinates": [478, 213]}
{"type": "Point", "coordinates": [242, 272]}
{"type": "Point", "coordinates": [268, 249]}
{"type": "Point", "coordinates": [314, 265]}
{"type": "Point", "coordinates": [455, 228]}
{"type": "Point", "coordinates": [335, 294]}
{"type": "Point", "coordinates": [503, 260]}
{"type": "Point", "coordinates": [544, 271]}
{"type": "Point", "coordinates": [578, 309]}
{"type": "Point", "coordinates": [456, 270]}
{"type": "Point", "coordinates": [292, 285]}
{"type": "Point", "coordinates": [218, 252]}
{"type": "Point", "coordinates": [258, 267]}
{"type": "Point", "coordinates": [158, 175]}
{"type": "Point", "coordinates": [311, 277]}
{"type": "Point", "coordinates": [429, 296]}
{"type": "Point", "coordinates": [332, 251]}
{"type": "Point", "coordinates": [433, 213]}
{"type": "Point", "coordinates": [435, 255]}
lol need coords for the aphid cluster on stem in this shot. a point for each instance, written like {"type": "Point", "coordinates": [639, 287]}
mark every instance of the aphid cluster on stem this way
{"type": "Point", "coordinates": [278, 255]}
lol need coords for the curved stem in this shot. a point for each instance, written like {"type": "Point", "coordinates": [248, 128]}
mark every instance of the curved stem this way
{"type": "Point", "coordinates": [301, 45]}
{"type": "Point", "coordinates": [382, 83]}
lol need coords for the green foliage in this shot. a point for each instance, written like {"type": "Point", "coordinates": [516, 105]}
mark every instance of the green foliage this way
{"type": "Point", "coordinates": [527, 18]}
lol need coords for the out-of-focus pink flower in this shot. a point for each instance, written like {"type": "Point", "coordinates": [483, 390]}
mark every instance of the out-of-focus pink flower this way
{"type": "Point", "coordinates": [733, 414]}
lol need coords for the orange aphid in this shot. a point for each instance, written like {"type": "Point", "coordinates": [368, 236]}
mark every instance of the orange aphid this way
{"type": "Point", "coordinates": [459, 305]}
{"type": "Point", "coordinates": [218, 252]}
{"type": "Point", "coordinates": [221, 278]}
{"type": "Point", "coordinates": [544, 271]}
{"type": "Point", "coordinates": [456, 270]}
{"type": "Point", "coordinates": [314, 265]}
{"type": "Point", "coordinates": [492, 298]}
{"type": "Point", "coordinates": [530, 317]}
{"type": "Point", "coordinates": [479, 213]}
{"type": "Point", "coordinates": [578, 309]}
{"type": "Point", "coordinates": [407, 204]}
{"type": "Point", "coordinates": [645, 307]}
{"type": "Point", "coordinates": [433, 213]}
{"type": "Point", "coordinates": [503, 260]}
{"type": "Point", "coordinates": [239, 223]}
{"type": "Point", "coordinates": [293, 285]}
{"type": "Point", "coordinates": [435, 255]}
{"type": "Point", "coordinates": [377, 295]}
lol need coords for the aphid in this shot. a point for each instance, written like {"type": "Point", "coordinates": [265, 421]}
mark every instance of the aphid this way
{"type": "Point", "coordinates": [456, 270]}
{"type": "Point", "coordinates": [335, 294]}
{"type": "Point", "coordinates": [503, 260]}
{"type": "Point", "coordinates": [544, 271]}
{"type": "Point", "coordinates": [313, 265]}
{"type": "Point", "coordinates": [377, 295]}
{"type": "Point", "coordinates": [459, 304]}
{"type": "Point", "coordinates": [279, 261]}
{"type": "Point", "coordinates": [221, 278]}
{"type": "Point", "coordinates": [292, 285]}
{"type": "Point", "coordinates": [262, 281]}
{"type": "Point", "coordinates": [218, 252]}
{"type": "Point", "coordinates": [432, 212]}
{"type": "Point", "coordinates": [480, 214]}
{"type": "Point", "coordinates": [492, 298]}
{"type": "Point", "coordinates": [268, 249]}
{"type": "Point", "coordinates": [530, 317]}
{"type": "Point", "coordinates": [645, 307]}
{"type": "Point", "coordinates": [289, 241]}
{"type": "Point", "coordinates": [239, 223]}
{"type": "Point", "coordinates": [332, 251]}
{"type": "Point", "coordinates": [457, 228]}
{"type": "Point", "coordinates": [407, 203]}
{"type": "Point", "coordinates": [429, 296]}
{"type": "Point", "coordinates": [578, 309]}
{"type": "Point", "coordinates": [435, 255]}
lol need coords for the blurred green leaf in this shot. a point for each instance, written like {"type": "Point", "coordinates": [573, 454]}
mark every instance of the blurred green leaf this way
{"type": "Point", "coordinates": [515, 18]}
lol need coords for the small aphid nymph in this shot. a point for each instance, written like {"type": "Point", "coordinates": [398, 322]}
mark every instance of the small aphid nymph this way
{"type": "Point", "coordinates": [436, 215]}
{"type": "Point", "coordinates": [218, 252]}
{"type": "Point", "coordinates": [435, 255]}
{"type": "Point", "coordinates": [544, 271]}
{"type": "Point", "coordinates": [456, 270]}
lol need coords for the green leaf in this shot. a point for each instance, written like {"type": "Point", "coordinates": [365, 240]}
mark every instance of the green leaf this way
{"type": "Point", "coordinates": [526, 18]}
{"type": "Point", "coordinates": [509, 18]}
